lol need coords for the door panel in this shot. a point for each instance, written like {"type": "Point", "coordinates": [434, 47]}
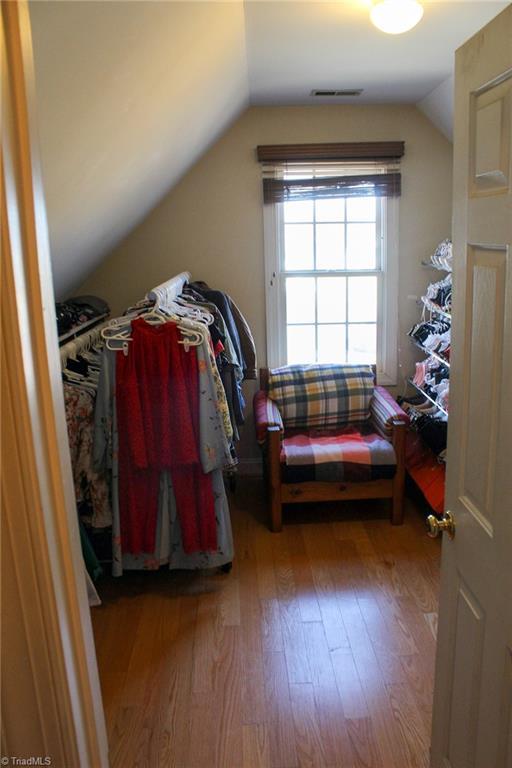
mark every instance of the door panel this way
{"type": "Point", "coordinates": [490, 137]}
{"type": "Point", "coordinates": [467, 667]}
{"type": "Point", "coordinates": [482, 375]}
{"type": "Point", "coordinates": [472, 717]}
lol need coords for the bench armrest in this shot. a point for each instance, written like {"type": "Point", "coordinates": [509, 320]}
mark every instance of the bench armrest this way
{"type": "Point", "coordinates": [266, 414]}
{"type": "Point", "coordinates": [384, 412]}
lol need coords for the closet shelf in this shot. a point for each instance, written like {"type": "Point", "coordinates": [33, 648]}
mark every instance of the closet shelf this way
{"type": "Point", "coordinates": [79, 329]}
{"type": "Point", "coordinates": [435, 308]}
{"type": "Point", "coordinates": [429, 352]}
{"type": "Point", "coordinates": [429, 397]}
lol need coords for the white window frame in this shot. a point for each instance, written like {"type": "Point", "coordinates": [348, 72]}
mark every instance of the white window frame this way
{"type": "Point", "coordinates": [387, 312]}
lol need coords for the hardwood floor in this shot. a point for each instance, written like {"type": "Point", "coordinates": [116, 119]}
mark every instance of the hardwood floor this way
{"type": "Point", "coordinates": [317, 650]}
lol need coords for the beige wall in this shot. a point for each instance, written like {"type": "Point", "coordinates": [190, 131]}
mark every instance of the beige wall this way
{"type": "Point", "coordinates": [211, 223]}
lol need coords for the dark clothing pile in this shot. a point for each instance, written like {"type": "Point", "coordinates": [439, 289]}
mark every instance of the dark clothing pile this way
{"type": "Point", "coordinates": [433, 431]}
{"type": "Point", "coordinates": [78, 310]}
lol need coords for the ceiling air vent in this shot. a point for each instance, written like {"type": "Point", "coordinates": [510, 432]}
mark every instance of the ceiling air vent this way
{"type": "Point", "coordinates": [344, 92]}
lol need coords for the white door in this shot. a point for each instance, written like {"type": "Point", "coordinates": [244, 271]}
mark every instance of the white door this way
{"type": "Point", "coordinates": [472, 724]}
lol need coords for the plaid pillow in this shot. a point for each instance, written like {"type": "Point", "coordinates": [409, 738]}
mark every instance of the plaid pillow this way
{"type": "Point", "coordinates": [322, 395]}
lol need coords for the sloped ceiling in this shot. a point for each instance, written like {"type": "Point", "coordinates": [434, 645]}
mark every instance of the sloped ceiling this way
{"type": "Point", "coordinates": [130, 94]}
{"type": "Point", "coordinates": [438, 106]}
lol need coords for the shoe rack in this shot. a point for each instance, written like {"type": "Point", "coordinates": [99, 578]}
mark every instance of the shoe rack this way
{"type": "Point", "coordinates": [422, 464]}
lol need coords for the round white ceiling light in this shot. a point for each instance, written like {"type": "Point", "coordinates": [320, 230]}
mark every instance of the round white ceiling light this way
{"type": "Point", "coordinates": [396, 16]}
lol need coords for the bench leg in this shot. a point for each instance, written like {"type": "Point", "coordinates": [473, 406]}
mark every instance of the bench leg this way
{"type": "Point", "coordinates": [397, 513]}
{"type": "Point", "coordinates": [274, 479]}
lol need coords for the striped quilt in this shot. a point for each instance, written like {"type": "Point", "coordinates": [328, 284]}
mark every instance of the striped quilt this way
{"type": "Point", "coordinates": [350, 454]}
{"type": "Point", "coordinates": [322, 395]}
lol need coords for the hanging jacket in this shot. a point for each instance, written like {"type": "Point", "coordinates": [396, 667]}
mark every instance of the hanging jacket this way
{"type": "Point", "coordinates": [246, 342]}
{"type": "Point", "coordinates": [237, 326]}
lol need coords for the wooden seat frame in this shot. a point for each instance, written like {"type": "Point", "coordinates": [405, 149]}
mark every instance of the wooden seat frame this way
{"type": "Point", "coordinates": [280, 492]}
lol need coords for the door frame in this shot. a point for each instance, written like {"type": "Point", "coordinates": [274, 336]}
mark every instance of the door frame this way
{"type": "Point", "coordinates": [45, 582]}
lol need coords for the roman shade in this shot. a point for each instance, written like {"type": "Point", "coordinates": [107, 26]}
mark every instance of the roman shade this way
{"type": "Point", "coordinates": [313, 171]}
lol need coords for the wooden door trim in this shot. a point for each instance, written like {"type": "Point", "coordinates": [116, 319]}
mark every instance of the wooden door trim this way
{"type": "Point", "coordinates": [43, 527]}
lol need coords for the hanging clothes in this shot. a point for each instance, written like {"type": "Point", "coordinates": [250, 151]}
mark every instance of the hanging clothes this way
{"type": "Point", "coordinates": [247, 342]}
{"type": "Point", "coordinates": [91, 489]}
{"type": "Point", "coordinates": [158, 412]}
{"type": "Point", "coordinates": [231, 363]}
{"type": "Point", "coordinates": [214, 449]}
{"type": "Point", "coordinates": [165, 424]}
{"type": "Point", "coordinates": [237, 325]}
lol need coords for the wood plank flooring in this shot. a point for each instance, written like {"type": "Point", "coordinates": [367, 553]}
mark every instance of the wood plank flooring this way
{"type": "Point", "coordinates": [316, 651]}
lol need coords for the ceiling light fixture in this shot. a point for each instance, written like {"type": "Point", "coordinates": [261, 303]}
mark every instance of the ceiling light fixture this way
{"type": "Point", "coordinates": [396, 16]}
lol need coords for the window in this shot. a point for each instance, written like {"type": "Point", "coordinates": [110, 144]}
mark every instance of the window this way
{"type": "Point", "coordinates": [331, 265]}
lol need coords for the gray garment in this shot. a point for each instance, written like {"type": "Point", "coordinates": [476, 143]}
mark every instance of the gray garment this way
{"type": "Point", "coordinates": [246, 342]}
{"type": "Point", "coordinates": [213, 443]}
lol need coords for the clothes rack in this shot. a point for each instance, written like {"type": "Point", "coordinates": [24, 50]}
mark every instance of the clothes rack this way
{"type": "Point", "coordinates": [170, 289]}
{"type": "Point", "coordinates": [143, 361]}
{"type": "Point", "coordinates": [428, 397]}
{"type": "Point", "coordinates": [91, 492]}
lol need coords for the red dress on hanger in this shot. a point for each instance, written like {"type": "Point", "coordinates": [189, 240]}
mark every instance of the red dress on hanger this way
{"type": "Point", "coordinates": [157, 391]}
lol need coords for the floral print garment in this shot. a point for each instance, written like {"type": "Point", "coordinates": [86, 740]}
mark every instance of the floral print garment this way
{"type": "Point", "coordinates": [79, 405]}
{"type": "Point", "coordinates": [213, 414]}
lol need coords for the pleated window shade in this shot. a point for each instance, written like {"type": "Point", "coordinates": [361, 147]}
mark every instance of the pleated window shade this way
{"type": "Point", "coordinates": [316, 171]}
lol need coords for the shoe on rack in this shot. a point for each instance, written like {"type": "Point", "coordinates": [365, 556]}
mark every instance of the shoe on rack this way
{"type": "Point", "coordinates": [429, 408]}
{"type": "Point", "coordinates": [419, 376]}
{"type": "Point", "coordinates": [443, 255]}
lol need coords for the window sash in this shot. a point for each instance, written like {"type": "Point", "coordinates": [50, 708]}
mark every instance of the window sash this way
{"type": "Point", "coordinates": [379, 241]}
{"type": "Point", "coordinates": [387, 274]}
{"type": "Point", "coordinates": [345, 323]}
{"type": "Point", "coordinates": [284, 273]}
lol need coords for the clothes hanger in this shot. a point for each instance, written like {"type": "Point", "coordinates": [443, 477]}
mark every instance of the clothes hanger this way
{"type": "Point", "coordinates": [195, 311]}
{"type": "Point", "coordinates": [190, 338]}
{"type": "Point", "coordinates": [190, 320]}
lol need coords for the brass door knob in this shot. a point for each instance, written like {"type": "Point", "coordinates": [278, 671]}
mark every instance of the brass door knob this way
{"type": "Point", "coordinates": [436, 526]}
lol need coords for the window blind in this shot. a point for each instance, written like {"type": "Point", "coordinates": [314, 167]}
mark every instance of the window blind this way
{"type": "Point", "coordinates": [300, 172]}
